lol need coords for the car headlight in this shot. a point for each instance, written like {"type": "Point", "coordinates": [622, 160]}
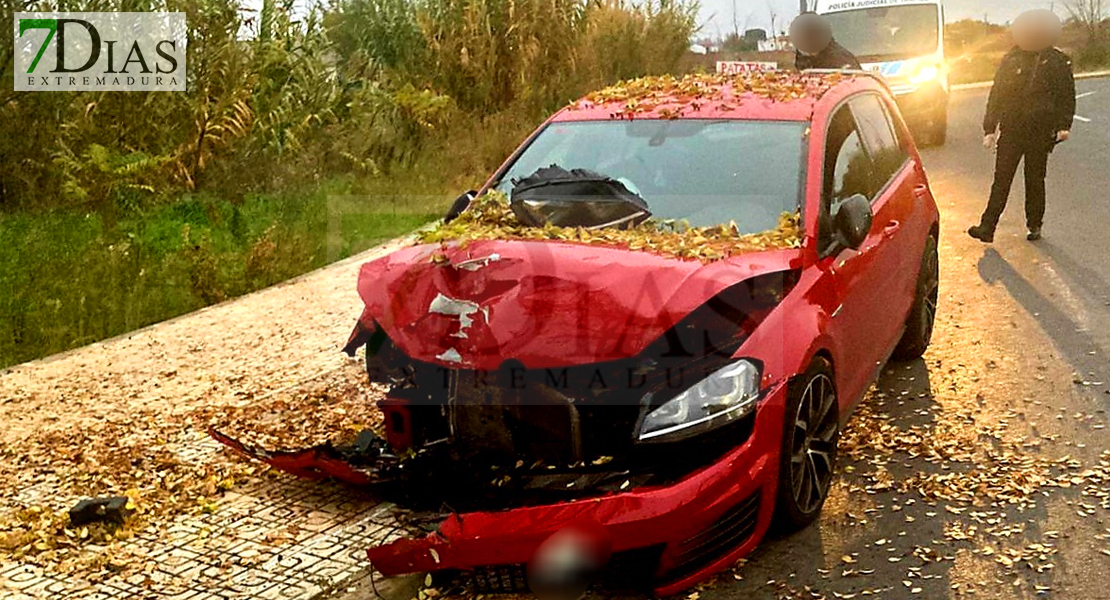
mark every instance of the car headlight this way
{"type": "Point", "coordinates": [925, 74]}
{"type": "Point", "coordinates": [724, 396]}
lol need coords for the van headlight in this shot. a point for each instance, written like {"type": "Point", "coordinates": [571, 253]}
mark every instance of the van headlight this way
{"type": "Point", "coordinates": [724, 396]}
{"type": "Point", "coordinates": [926, 73]}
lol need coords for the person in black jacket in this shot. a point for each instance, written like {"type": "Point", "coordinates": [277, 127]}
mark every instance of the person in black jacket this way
{"type": "Point", "coordinates": [815, 47]}
{"type": "Point", "coordinates": [1030, 110]}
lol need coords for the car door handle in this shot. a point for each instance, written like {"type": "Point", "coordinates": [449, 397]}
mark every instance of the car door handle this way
{"type": "Point", "coordinates": [891, 228]}
{"type": "Point", "coordinates": [921, 191]}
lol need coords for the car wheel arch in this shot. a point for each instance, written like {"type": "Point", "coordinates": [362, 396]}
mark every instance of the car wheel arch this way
{"type": "Point", "coordinates": [818, 352]}
{"type": "Point", "coordinates": [827, 352]}
{"type": "Point", "coordinates": [789, 514]}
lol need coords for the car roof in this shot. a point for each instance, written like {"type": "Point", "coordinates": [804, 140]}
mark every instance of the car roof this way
{"type": "Point", "coordinates": [766, 95]}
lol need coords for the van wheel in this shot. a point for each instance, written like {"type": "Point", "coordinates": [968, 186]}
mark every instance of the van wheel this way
{"type": "Point", "coordinates": [932, 131]}
{"type": "Point", "coordinates": [923, 315]}
{"type": "Point", "coordinates": [808, 457]}
{"type": "Point", "coordinates": [937, 133]}
{"type": "Point", "coordinates": [940, 128]}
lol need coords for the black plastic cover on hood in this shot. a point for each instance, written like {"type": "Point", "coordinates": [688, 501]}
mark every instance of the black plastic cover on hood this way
{"type": "Point", "coordinates": [576, 198]}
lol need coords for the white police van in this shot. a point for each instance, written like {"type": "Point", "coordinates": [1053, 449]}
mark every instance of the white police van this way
{"type": "Point", "coordinates": [904, 41]}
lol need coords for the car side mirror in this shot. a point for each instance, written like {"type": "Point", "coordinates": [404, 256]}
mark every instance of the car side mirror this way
{"type": "Point", "coordinates": [852, 221]}
{"type": "Point", "coordinates": [459, 205]}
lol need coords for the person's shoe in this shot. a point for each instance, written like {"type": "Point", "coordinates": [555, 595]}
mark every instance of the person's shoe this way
{"type": "Point", "coordinates": [1034, 234]}
{"type": "Point", "coordinates": [982, 234]}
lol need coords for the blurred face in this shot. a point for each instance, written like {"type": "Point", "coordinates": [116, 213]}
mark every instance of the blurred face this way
{"type": "Point", "coordinates": [1037, 30]}
{"type": "Point", "coordinates": [810, 34]}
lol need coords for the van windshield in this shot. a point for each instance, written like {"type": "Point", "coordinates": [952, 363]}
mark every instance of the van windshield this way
{"type": "Point", "coordinates": [888, 33]}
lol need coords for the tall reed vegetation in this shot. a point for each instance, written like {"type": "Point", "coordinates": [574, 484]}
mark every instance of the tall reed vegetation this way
{"type": "Point", "coordinates": [122, 209]}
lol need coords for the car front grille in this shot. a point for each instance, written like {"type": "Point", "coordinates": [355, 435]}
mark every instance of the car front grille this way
{"type": "Point", "coordinates": [498, 579]}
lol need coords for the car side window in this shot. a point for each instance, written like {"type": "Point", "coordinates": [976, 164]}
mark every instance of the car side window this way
{"type": "Point", "coordinates": [877, 132]}
{"type": "Point", "coordinates": [847, 166]}
{"type": "Point", "coordinates": [848, 169]}
{"type": "Point", "coordinates": [852, 173]}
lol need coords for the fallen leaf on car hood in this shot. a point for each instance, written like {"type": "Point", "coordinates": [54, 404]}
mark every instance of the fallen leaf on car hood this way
{"type": "Point", "coordinates": [490, 218]}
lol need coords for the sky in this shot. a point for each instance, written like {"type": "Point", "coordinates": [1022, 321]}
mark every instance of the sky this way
{"type": "Point", "coordinates": [717, 20]}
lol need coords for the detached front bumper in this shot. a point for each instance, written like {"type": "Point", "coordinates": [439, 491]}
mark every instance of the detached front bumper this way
{"type": "Point", "coordinates": [699, 525]}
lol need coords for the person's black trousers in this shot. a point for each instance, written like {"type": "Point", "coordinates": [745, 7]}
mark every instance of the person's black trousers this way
{"type": "Point", "coordinates": [1012, 147]}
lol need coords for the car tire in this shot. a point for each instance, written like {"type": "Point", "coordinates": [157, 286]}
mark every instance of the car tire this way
{"type": "Point", "coordinates": [923, 314]}
{"type": "Point", "coordinates": [940, 128]}
{"type": "Point", "coordinates": [811, 430]}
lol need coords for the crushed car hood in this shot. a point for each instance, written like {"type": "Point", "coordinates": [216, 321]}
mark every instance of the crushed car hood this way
{"type": "Point", "coordinates": [540, 304]}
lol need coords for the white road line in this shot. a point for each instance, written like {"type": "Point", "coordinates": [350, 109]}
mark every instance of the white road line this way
{"type": "Point", "coordinates": [1074, 304]}
{"type": "Point", "coordinates": [986, 84]}
{"type": "Point", "coordinates": [1084, 119]}
{"type": "Point", "coordinates": [1085, 94]}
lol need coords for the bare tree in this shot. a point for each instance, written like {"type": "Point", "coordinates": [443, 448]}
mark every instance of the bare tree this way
{"type": "Point", "coordinates": [774, 21]}
{"type": "Point", "coordinates": [1089, 14]}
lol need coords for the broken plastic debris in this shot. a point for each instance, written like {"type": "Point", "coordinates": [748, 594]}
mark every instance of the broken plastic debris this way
{"type": "Point", "coordinates": [112, 509]}
{"type": "Point", "coordinates": [478, 263]}
{"type": "Point", "coordinates": [450, 355]}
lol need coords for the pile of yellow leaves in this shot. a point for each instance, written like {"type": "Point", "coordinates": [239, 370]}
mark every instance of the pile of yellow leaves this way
{"type": "Point", "coordinates": [668, 95]}
{"type": "Point", "coordinates": [115, 456]}
{"type": "Point", "coordinates": [490, 218]}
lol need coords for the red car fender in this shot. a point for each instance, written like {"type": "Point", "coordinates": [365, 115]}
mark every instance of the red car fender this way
{"type": "Point", "coordinates": [792, 335]}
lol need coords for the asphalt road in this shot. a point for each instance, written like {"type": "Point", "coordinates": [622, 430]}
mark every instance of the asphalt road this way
{"type": "Point", "coordinates": [963, 475]}
{"type": "Point", "coordinates": [1064, 280]}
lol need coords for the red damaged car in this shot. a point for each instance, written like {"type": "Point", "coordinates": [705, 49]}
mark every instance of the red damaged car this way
{"type": "Point", "coordinates": [637, 344]}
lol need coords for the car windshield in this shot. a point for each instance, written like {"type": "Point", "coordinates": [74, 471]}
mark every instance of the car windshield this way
{"type": "Point", "coordinates": [887, 32]}
{"type": "Point", "coordinates": [706, 172]}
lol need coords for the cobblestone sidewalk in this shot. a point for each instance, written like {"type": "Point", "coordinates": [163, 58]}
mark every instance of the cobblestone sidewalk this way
{"type": "Point", "coordinates": [280, 538]}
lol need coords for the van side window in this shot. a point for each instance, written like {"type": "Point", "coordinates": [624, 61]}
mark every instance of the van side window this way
{"type": "Point", "coordinates": [877, 132]}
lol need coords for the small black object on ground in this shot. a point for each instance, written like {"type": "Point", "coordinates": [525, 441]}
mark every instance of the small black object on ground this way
{"type": "Point", "coordinates": [111, 509]}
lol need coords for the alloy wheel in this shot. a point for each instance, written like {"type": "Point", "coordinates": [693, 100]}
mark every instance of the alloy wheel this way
{"type": "Point", "coordinates": [814, 444]}
{"type": "Point", "coordinates": [931, 295]}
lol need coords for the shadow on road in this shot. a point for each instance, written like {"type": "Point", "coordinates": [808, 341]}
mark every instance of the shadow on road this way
{"type": "Point", "coordinates": [1082, 275]}
{"type": "Point", "coordinates": [905, 392]}
{"type": "Point", "coordinates": [1076, 344]}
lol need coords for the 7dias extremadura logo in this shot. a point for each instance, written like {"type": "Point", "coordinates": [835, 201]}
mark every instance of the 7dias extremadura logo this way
{"type": "Point", "coordinates": [78, 51]}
